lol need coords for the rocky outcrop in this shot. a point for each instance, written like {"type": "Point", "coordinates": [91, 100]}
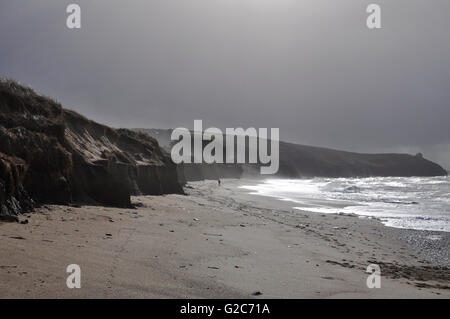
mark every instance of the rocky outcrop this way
{"type": "Point", "coordinates": [49, 154]}
{"type": "Point", "coordinates": [308, 161]}
{"type": "Point", "coordinates": [297, 161]}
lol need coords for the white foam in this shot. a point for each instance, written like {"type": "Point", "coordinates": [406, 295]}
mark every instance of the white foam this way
{"type": "Point", "coordinates": [416, 203]}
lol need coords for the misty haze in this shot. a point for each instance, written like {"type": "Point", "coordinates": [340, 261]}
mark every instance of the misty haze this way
{"type": "Point", "coordinates": [311, 68]}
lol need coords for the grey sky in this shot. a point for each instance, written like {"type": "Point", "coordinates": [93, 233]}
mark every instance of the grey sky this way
{"type": "Point", "coordinates": [309, 67]}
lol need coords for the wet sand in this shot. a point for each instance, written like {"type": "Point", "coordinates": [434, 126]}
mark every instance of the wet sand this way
{"type": "Point", "coordinates": [216, 242]}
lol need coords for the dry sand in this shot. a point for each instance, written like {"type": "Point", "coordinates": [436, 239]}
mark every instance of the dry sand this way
{"type": "Point", "coordinates": [217, 242]}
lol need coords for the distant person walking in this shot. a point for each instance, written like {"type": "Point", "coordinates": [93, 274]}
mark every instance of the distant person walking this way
{"type": "Point", "coordinates": [218, 182]}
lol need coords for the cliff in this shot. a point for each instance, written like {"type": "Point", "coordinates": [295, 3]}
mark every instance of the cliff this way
{"type": "Point", "coordinates": [297, 161]}
{"type": "Point", "coordinates": [195, 172]}
{"type": "Point", "coordinates": [49, 154]}
{"type": "Point", "coordinates": [308, 161]}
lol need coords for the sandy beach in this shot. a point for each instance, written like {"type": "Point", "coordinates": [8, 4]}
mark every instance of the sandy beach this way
{"type": "Point", "coordinates": [216, 242]}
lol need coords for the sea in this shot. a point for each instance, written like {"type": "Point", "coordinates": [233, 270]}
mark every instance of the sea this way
{"type": "Point", "coordinates": [421, 203]}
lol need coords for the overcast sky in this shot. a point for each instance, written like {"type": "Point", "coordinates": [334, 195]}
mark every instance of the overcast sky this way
{"type": "Point", "coordinates": [309, 67]}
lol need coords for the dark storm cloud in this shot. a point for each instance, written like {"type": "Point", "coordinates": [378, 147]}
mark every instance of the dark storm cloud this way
{"type": "Point", "coordinates": [311, 67]}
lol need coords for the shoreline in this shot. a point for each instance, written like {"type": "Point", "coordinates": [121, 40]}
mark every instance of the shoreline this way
{"type": "Point", "coordinates": [362, 207]}
{"type": "Point", "coordinates": [216, 242]}
{"type": "Point", "coordinates": [431, 245]}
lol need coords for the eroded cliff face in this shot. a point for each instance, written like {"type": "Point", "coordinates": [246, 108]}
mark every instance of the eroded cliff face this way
{"type": "Point", "coordinates": [52, 155]}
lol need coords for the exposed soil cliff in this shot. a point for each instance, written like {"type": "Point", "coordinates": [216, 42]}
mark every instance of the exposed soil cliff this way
{"type": "Point", "coordinates": [52, 155]}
